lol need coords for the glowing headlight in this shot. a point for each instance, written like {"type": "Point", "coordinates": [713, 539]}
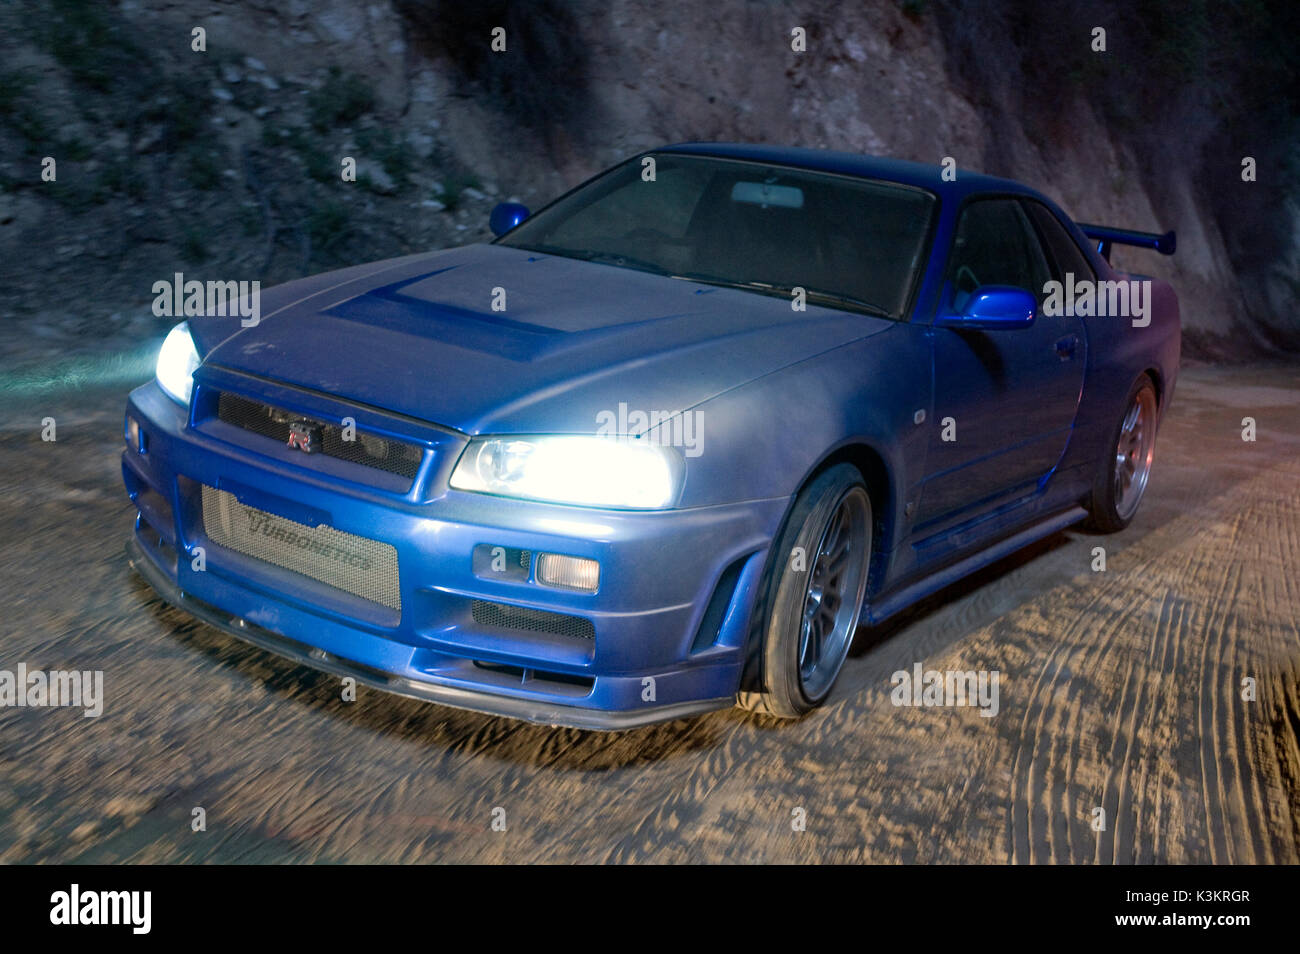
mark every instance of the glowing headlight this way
{"type": "Point", "coordinates": [590, 471]}
{"type": "Point", "coordinates": [177, 360]}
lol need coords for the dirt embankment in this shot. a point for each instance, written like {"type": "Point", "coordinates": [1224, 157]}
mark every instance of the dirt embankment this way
{"type": "Point", "coordinates": [227, 161]}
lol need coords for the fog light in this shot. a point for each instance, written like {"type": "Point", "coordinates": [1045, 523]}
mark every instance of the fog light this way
{"type": "Point", "coordinates": [572, 573]}
{"type": "Point", "coordinates": [492, 562]}
{"type": "Point", "coordinates": [136, 438]}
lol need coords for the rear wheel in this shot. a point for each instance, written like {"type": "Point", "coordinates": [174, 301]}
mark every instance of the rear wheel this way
{"type": "Point", "coordinates": [814, 594]}
{"type": "Point", "coordinates": [1123, 474]}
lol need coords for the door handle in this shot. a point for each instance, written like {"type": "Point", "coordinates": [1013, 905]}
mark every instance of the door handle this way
{"type": "Point", "coordinates": [1066, 346]}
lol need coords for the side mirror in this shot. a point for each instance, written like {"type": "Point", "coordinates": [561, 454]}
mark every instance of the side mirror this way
{"type": "Point", "coordinates": [506, 216]}
{"type": "Point", "coordinates": [991, 307]}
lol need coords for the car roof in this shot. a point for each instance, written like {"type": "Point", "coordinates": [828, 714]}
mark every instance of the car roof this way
{"type": "Point", "coordinates": [854, 164]}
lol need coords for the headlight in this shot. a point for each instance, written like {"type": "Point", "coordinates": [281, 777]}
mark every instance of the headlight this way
{"type": "Point", "coordinates": [590, 471]}
{"type": "Point", "coordinates": [177, 361]}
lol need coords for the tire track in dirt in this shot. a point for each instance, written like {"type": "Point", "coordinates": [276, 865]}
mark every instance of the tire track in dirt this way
{"type": "Point", "coordinates": [1042, 771]}
{"type": "Point", "coordinates": [1174, 623]}
{"type": "Point", "coordinates": [1210, 717]}
{"type": "Point", "coordinates": [1281, 747]}
{"type": "Point", "coordinates": [1029, 773]}
{"type": "Point", "coordinates": [660, 827]}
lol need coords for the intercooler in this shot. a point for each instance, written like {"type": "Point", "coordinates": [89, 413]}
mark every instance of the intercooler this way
{"type": "Point", "coordinates": [357, 565]}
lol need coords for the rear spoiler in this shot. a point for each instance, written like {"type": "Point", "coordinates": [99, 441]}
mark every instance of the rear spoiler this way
{"type": "Point", "coordinates": [1106, 237]}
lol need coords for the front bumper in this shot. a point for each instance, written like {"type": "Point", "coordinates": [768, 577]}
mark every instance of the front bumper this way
{"type": "Point", "coordinates": [666, 627]}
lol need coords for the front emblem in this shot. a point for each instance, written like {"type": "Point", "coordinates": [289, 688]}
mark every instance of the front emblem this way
{"type": "Point", "coordinates": [305, 436]}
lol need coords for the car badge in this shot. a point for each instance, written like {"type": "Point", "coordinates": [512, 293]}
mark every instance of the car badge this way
{"type": "Point", "coordinates": [305, 436]}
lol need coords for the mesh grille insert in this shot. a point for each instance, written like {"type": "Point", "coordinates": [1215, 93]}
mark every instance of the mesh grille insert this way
{"type": "Point", "coordinates": [536, 621]}
{"type": "Point", "coordinates": [357, 565]}
{"type": "Point", "coordinates": [369, 450]}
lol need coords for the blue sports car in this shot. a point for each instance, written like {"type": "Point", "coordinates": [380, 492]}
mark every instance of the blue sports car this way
{"type": "Point", "coordinates": [660, 447]}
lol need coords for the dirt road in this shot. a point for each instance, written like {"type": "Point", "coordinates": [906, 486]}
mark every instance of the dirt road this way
{"type": "Point", "coordinates": [1120, 690]}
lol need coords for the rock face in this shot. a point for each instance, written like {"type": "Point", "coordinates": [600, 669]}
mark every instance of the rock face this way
{"type": "Point", "coordinates": [439, 123]}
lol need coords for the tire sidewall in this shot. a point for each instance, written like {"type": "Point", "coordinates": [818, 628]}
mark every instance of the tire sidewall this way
{"type": "Point", "coordinates": [788, 586]}
{"type": "Point", "coordinates": [1105, 514]}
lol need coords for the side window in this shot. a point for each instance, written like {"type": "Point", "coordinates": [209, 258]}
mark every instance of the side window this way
{"type": "Point", "coordinates": [995, 245]}
{"type": "Point", "coordinates": [1065, 254]}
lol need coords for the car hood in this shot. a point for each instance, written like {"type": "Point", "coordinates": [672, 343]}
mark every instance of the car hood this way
{"type": "Point", "coordinates": [567, 340]}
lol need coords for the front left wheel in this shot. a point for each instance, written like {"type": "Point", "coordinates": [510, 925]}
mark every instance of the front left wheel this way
{"type": "Point", "coordinates": [815, 591]}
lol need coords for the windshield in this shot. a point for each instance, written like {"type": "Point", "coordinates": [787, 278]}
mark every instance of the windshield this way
{"type": "Point", "coordinates": [849, 243]}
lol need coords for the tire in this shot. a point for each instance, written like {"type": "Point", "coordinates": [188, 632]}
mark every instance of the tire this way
{"type": "Point", "coordinates": [1125, 470]}
{"type": "Point", "coordinates": [812, 606]}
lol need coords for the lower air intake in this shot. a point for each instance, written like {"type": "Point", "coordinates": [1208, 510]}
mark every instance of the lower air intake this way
{"type": "Point", "coordinates": [503, 616]}
{"type": "Point", "coordinates": [357, 565]}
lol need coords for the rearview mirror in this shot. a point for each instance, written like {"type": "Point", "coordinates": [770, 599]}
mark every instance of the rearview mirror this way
{"type": "Point", "coordinates": [991, 307]}
{"type": "Point", "coordinates": [506, 216]}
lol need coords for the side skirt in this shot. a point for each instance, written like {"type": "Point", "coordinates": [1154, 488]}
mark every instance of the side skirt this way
{"type": "Point", "coordinates": [882, 608]}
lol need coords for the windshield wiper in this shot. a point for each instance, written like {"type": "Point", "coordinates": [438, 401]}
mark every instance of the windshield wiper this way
{"type": "Point", "coordinates": [847, 301]}
{"type": "Point", "coordinates": [602, 258]}
{"type": "Point", "coordinates": [832, 299]}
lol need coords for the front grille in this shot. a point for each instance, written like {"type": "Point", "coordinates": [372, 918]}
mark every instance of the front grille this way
{"type": "Point", "coordinates": [357, 565]}
{"type": "Point", "coordinates": [369, 450]}
{"type": "Point", "coordinates": [504, 616]}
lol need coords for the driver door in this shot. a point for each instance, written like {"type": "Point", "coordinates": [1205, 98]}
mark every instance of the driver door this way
{"type": "Point", "coordinates": [1005, 399]}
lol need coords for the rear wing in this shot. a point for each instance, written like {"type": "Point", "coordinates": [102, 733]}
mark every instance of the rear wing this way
{"type": "Point", "coordinates": [1106, 237]}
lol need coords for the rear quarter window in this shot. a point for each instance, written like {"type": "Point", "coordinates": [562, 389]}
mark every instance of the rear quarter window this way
{"type": "Point", "coordinates": [1065, 255]}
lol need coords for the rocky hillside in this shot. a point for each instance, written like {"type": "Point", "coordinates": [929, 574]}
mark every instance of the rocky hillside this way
{"type": "Point", "coordinates": [224, 162]}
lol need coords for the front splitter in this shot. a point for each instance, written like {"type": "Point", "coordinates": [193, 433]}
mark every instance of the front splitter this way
{"type": "Point", "coordinates": [539, 713]}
